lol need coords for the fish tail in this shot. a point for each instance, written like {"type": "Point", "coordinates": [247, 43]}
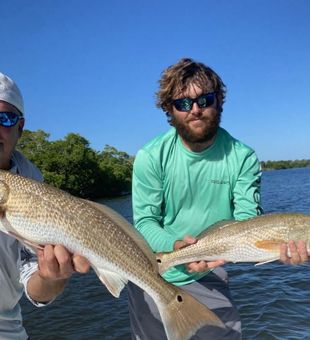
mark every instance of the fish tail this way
{"type": "Point", "coordinates": [184, 315]}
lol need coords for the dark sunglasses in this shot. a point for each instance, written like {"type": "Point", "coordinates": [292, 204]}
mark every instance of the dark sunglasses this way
{"type": "Point", "coordinates": [186, 104]}
{"type": "Point", "coordinates": [8, 119]}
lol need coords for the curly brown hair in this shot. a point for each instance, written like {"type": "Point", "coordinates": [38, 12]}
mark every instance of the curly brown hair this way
{"type": "Point", "coordinates": [176, 79]}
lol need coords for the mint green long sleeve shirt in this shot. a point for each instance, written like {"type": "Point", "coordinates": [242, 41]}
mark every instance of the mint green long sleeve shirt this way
{"type": "Point", "coordinates": [177, 192]}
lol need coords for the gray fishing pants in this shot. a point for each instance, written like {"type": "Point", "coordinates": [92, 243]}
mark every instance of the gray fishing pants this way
{"type": "Point", "coordinates": [212, 290]}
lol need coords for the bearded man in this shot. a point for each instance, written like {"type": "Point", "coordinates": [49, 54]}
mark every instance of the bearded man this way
{"type": "Point", "coordinates": [184, 181]}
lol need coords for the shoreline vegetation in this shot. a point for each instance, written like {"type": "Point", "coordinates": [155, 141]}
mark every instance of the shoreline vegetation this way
{"type": "Point", "coordinates": [72, 165]}
{"type": "Point", "coordinates": [278, 165]}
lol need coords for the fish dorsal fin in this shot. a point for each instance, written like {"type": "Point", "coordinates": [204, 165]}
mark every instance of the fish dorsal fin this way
{"type": "Point", "coordinates": [113, 281]}
{"type": "Point", "coordinates": [271, 245]}
{"type": "Point", "coordinates": [128, 229]}
{"type": "Point", "coordinates": [221, 224]}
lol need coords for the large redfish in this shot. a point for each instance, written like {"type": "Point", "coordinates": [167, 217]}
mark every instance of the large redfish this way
{"type": "Point", "coordinates": [39, 214]}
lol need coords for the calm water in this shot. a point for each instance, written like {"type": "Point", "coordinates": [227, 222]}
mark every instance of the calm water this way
{"type": "Point", "coordinates": [273, 299]}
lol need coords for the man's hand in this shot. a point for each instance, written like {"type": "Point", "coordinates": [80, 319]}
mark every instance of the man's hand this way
{"type": "Point", "coordinates": [56, 263]}
{"type": "Point", "coordinates": [298, 253]}
{"type": "Point", "coordinates": [55, 266]}
{"type": "Point", "coordinates": [200, 266]}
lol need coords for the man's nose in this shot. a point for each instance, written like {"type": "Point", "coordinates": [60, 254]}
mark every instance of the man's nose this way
{"type": "Point", "coordinates": [196, 110]}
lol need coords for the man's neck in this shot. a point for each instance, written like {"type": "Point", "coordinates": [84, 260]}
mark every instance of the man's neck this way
{"type": "Point", "coordinates": [198, 147]}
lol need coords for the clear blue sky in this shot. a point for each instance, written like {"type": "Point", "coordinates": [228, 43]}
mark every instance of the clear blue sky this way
{"type": "Point", "coordinates": [92, 67]}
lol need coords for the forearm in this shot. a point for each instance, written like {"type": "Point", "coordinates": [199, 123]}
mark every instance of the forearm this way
{"type": "Point", "coordinates": [246, 193]}
{"type": "Point", "coordinates": [156, 236]}
{"type": "Point", "coordinates": [44, 290]}
{"type": "Point", "coordinates": [147, 202]}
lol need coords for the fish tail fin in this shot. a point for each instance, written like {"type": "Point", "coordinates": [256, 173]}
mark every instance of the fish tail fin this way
{"type": "Point", "coordinates": [185, 315]}
{"type": "Point", "coordinates": [162, 262]}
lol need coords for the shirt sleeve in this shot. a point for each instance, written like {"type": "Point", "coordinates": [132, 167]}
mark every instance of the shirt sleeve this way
{"type": "Point", "coordinates": [246, 193]}
{"type": "Point", "coordinates": [147, 193]}
{"type": "Point", "coordinates": [29, 265]}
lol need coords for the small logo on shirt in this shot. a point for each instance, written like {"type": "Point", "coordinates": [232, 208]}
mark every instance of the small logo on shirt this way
{"type": "Point", "coordinates": [219, 181]}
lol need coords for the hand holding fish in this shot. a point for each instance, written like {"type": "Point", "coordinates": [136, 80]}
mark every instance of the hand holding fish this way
{"type": "Point", "coordinates": [55, 265]}
{"type": "Point", "coordinates": [298, 253]}
{"type": "Point", "coordinates": [198, 266]}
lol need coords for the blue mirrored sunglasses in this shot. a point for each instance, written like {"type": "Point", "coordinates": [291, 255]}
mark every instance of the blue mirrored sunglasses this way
{"type": "Point", "coordinates": [8, 119]}
{"type": "Point", "coordinates": [186, 104]}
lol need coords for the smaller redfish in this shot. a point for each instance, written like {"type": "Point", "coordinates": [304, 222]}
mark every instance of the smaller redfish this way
{"type": "Point", "coordinates": [257, 239]}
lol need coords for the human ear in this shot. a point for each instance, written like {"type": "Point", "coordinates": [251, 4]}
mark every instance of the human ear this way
{"type": "Point", "coordinates": [21, 124]}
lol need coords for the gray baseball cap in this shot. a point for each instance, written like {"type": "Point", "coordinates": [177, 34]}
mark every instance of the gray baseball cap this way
{"type": "Point", "coordinates": [10, 93]}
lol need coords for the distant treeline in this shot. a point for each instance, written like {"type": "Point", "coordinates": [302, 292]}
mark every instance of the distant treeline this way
{"type": "Point", "coordinates": [72, 165]}
{"type": "Point", "coordinates": [276, 165]}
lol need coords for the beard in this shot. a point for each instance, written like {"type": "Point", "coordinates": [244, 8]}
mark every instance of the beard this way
{"type": "Point", "coordinates": [205, 134]}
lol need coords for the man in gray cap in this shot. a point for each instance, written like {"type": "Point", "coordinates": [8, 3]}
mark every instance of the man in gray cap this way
{"type": "Point", "coordinates": [42, 276]}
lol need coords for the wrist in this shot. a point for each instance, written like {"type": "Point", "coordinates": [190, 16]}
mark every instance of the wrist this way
{"type": "Point", "coordinates": [43, 289]}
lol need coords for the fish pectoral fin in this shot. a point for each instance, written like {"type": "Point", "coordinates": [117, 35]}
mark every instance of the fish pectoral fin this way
{"type": "Point", "coordinates": [113, 281]}
{"type": "Point", "coordinates": [11, 231]}
{"type": "Point", "coordinates": [34, 246]}
{"type": "Point", "coordinates": [271, 245]}
{"type": "Point", "coordinates": [268, 261]}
